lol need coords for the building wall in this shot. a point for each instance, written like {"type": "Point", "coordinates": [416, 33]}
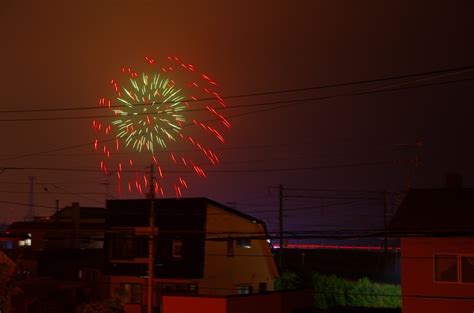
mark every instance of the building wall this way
{"type": "Point", "coordinates": [248, 266]}
{"type": "Point", "coordinates": [420, 291]}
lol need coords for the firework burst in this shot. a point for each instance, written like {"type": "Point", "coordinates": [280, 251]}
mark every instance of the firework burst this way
{"type": "Point", "coordinates": [168, 104]}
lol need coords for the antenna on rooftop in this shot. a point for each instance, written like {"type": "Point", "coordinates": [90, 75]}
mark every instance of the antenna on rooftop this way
{"type": "Point", "coordinates": [415, 162]}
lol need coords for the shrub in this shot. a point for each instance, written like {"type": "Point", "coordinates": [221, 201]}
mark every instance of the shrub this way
{"type": "Point", "coordinates": [333, 291]}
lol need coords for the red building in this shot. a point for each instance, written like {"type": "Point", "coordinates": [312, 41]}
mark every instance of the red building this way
{"type": "Point", "coordinates": [436, 227]}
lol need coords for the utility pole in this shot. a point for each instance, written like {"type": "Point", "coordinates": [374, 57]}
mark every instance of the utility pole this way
{"type": "Point", "coordinates": [106, 183]}
{"type": "Point", "coordinates": [57, 211]}
{"type": "Point", "coordinates": [151, 261]}
{"type": "Point", "coordinates": [385, 219]}
{"type": "Point", "coordinates": [280, 218]}
{"type": "Point", "coordinates": [31, 211]}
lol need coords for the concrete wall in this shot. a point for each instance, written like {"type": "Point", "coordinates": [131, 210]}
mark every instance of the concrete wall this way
{"type": "Point", "coordinates": [420, 292]}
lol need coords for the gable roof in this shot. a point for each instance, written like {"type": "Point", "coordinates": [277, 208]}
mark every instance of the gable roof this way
{"type": "Point", "coordinates": [447, 212]}
{"type": "Point", "coordinates": [233, 211]}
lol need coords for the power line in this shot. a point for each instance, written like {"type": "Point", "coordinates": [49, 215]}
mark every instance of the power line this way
{"type": "Point", "coordinates": [80, 195]}
{"type": "Point", "coordinates": [228, 117]}
{"type": "Point", "coordinates": [27, 204]}
{"type": "Point", "coordinates": [258, 104]}
{"type": "Point", "coordinates": [339, 234]}
{"type": "Point", "coordinates": [263, 170]}
{"type": "Point", "coordinates": [271, 92]}
{"type": "Point", "coordinates": [53, 193]}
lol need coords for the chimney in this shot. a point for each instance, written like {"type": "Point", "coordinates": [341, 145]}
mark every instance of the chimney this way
{"type": "Point", "coordinates": [453, 181]}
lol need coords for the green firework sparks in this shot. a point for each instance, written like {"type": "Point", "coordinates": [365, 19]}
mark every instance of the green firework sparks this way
{"type": "Point", "coordinates": [151, 112]}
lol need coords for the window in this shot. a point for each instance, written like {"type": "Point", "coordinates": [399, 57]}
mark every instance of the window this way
{"type": "Point", "coordinates": [192, 289]}
{"type": "Point", "coordinates": [244, 243]}
{"type": "Point", "coordinates": [133, 293]}
{"type": "Point", "coordinates": [446, 268]}
{"type": "Point", "coordinates": [244, 289]}
{"type": "Point", "coordinates": [128, 246]}
{"type": "Point", "coordinates": [467, 269]}
{"type": "Point", "coordinates": [89, 275]}
{"type": "Point", "coordinates": [169, 288]}
{"type": "Point", "coordinates": [8, 245]}
{"type": "Point", "coordinates": [454, 268]}
{"type": "Point", "coordinates": [230, 247]}
{"type": "Point", "coordinates": [177, 249]}
{"type": "Point", "coordinates": [122, 246]}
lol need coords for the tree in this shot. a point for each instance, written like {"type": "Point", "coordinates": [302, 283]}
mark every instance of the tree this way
{"type": "Point", "coordinates": [7, 287]}
{"type": "Point", "coordinates": [114, 305]}
{"type": "Point", "coordinates": [102, 306]}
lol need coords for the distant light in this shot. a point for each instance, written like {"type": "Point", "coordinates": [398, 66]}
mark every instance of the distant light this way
{"type": "Point", "coordinates": [23, 243]}
{"type": "Point", "coordinates": [269, 241]}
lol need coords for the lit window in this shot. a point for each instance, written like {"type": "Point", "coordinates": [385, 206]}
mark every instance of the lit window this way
{"type": "Point", "coordinates": [23, 243]}
{"type": "Point", "coordinates": [446, 268]}
{"type": "Point", "coordinates": [177, 249]}
{"type": "Point", "coordinates": [244, 289]}
{"type": "Point", "coordinates": [244, 243]}
{"type": "Point", "coordinates": [467, 269]}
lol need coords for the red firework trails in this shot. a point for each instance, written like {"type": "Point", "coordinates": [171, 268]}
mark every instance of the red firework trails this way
{"type": "Point", "coordinates": [154, 113]}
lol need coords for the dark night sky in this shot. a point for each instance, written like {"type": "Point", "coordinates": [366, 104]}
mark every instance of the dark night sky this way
{"type": "Point", "coordinates": [58, 53]}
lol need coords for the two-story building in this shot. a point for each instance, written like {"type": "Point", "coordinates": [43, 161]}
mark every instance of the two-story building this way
{"type": "Point", "coordinates": [60, 257]}
{"type": "Point", "coordinates": [201, 247]}
{"type": "Point", "coordinates": [436, 227]}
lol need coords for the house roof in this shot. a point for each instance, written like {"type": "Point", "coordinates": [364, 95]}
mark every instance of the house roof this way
{"type": "Point", "coordinates": [448, 212]}
{"type": "Point", "coordinates": [232, 211]}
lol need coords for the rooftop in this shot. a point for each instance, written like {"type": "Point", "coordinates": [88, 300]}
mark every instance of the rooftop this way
{"type": "Point", "coordinates": [448, 211]}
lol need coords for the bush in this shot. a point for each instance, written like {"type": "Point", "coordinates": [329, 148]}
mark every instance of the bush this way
{"type": "Point", "coordinates": [331, 291]}
{"type": "Point", "coordinates": [289, 280]}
